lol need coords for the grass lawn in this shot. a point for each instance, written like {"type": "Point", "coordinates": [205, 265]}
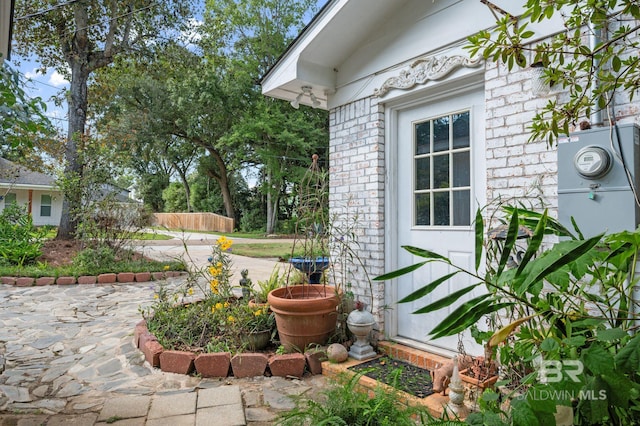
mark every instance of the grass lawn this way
{"type": "Point", "coordinates": [262, 250]}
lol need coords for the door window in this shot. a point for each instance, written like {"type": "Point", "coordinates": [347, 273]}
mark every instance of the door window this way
{"type": "Point", "coordinates": [442, 171]}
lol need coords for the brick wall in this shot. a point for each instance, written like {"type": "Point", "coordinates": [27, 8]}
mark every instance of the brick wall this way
{"type": "Point", "coordinates": [356, 200]}
{"type": "Point", "coordinates": [516, 169]}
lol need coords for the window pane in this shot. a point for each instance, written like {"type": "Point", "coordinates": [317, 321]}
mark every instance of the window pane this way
{"type": "Point", "coordinates": [441, 134]}
{"type": "Point", "coordinates": [461, 137]}
{"type": "Point", "coordinates": [45, 200]}
{"type": "Point", "coordinates": [45, 211]}
{"type": "Point", "coordinates": [462, 208]}
{"type": "Point", "coordinates": [422, 173]}
{"type": "Point", "coordinates": [461, 169]}
{"type": "Point", "coordinates": [423, 138]}
{"type": "Point", "coordinates": [10, 198]}
{"type": "Point", "coordinates": [422, 209]}
{"type": "Point", "coordinates": [441, 208]}
{"type": "Point", "coordinates": [441, 171]}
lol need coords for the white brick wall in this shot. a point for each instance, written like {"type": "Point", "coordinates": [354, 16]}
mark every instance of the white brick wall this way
{"type": "Point", "coordinates": [356, 189]}
{"type": "Point", "coordinates": [516, 168]}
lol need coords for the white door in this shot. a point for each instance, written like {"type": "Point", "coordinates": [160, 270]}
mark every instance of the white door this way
{"type": "Point", "coordinates": [439, 184]}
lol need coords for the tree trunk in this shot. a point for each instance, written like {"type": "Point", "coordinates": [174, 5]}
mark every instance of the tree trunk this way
{"type": "Point", "coordinates": [272, 207]}
{"type": "Point", "coordinates": [187, 188]}
{"type": "Point", "coordinates": [73, 167]}
{"type": "Point", "coordinates": [223, 181]}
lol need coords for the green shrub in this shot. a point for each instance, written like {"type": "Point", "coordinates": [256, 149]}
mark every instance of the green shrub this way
{"type": "Point", "coordinates": [344, 404]}
{"type": "Point", "coordinates": [20, 240]}
{"type": "Point", "coordinates": [95, 259]}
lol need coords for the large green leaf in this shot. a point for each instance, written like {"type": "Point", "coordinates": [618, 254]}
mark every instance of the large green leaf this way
{"type": "Point", "coordinates": [597, 359]}
{"type": "Point", "coordinates": [427, 254]}
{"type": "Point", "coordinates": [628, 358]}
{"type": "Point", "coordinates": [534, 244]}
{"type": "Point", "coordinates": [558, 256]}
{"type": "Point", "coordinates": [446, 301]}
{"type": "Point", "coordinates": [610, 334]}
{"type": "Point", "coordinates": [472, 317]}
{"type": "Point", "coordinates": [479, 238]}
{"type": "Point", "coordinates": [512, 236]}
{"type": "Point", "coordinates": [423, 291]}
{"type": "Point", "coordinates": [460, 312]}
{"type": "Point", "coordinates": [401, 271]}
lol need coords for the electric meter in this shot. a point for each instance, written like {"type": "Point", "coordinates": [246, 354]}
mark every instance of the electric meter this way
{"type": "Point", "coordinates": [592, 162]}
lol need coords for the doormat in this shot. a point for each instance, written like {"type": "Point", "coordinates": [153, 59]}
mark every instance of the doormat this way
{"type": "Point", "coordinates": [398, 374]}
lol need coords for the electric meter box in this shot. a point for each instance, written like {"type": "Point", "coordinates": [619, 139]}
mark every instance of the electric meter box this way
{"type": "Point", "coordinates": [592, 183]}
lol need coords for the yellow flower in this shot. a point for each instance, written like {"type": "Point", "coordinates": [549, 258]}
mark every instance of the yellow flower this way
{"type": "Point", "coordinates": [258, 312]}
{"type": "Point", "coordinates": [213, 285]}
{"type": "Point", "coordinates": [219, 305]}
{"type": "Point", "coordinates": [231, 318]}
{"type": "Point", "coordinates": [190, 292]}
{"type": "Point", "coordinates": [226, 304]}
{"type": "Point", "coordinates": [166, 267]}
{"type": "Point", "coordinates": [224, 243]}
{"type": "Point", "coordinates": [213, 309]}
{"type": "Point", "coordinates": [155, 296]}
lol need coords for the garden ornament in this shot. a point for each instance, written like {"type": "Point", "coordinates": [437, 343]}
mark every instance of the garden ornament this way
{"type": "Point", "coordinates": [441, 376]}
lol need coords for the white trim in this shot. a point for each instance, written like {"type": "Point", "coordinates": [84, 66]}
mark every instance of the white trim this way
{"type": "Point", "coordinates": [470, 84]}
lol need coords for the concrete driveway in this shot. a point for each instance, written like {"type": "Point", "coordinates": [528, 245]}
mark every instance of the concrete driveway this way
{"type": "Point", "coordinates": [194, 248]}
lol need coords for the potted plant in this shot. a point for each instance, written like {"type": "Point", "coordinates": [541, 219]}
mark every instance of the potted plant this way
{"type": "Point", "coordinates": [264, 287]}
{"type": "Point", "coordinates": [306, 314]}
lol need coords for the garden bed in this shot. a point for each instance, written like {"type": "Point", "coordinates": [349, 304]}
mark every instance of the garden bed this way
{"type": "Point", "coordinates": [223, 364]}
{"type": "Point", "coordinates": [398, 374]}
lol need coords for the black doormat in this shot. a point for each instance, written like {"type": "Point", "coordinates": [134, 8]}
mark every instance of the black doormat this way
{"type": "Point", "coordinates": [399, 374]}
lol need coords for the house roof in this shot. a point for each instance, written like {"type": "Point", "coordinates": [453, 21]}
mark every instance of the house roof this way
{"type": "Point", "coordinates": [313, 59]}
{"type": "Point", "coordinates": [16, 175]}
{"type": "Point", "coordinates": [353, 47]}
{"type": "Point", "coordinates": [6, 26]}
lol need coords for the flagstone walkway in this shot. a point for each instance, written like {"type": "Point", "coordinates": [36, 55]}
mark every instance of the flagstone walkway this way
{"type": "Point", "coordinates": [67, 358]}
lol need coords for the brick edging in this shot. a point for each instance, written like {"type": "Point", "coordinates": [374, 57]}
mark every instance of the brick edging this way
{"type": "Point", "coordinates": [222, 364]}
{"type": "Point", "coordinates": [109, 278]}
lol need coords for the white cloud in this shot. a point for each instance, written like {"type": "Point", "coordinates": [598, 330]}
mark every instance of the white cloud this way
{"type": "Point", "coordinates": [58, 79]}
{"type": "Point", "coordinates": [32, 74]}
{"type": "Point", "coordinates": [192, 35]}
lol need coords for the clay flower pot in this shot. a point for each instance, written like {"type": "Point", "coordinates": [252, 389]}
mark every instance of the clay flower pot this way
{"type": "Point", "coordinates": [482, 384]}
{"type": "Point", "coordinates": [305, 314]}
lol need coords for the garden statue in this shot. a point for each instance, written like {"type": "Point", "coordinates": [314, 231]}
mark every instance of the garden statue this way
{"type": "Point", "coordinates": [441, 376]}
{"type": "Point", "coordinates": [360, 323]}
{"type": "Point", "coordinates": [456, 392]}
{"type": "Point", "coordinates": [245, 284]}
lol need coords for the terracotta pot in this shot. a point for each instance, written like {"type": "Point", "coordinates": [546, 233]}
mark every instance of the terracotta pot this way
{"type": "Point", "coordinates": [305, 314]}
{"type": "Point", "coordinates": [484, 384]}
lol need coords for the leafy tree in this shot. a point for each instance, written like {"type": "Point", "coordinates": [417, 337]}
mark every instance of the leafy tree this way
{"type": "Point", "coordinates": [249, 36]}
{"type": "Point", "coordinates": [22, 119]}
{"type": "Point", "coordinates": [172, 104]}
{"type": "Point", "coordinates": [589, 73]}
{"type": "Point", "coordinates": [174, 198]}
{"type": "Point", "coordinates": [78, 38]}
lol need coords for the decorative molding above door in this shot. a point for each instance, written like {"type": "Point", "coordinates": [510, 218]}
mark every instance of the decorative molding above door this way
{"type": "Point", "coordinates": [427, 69]}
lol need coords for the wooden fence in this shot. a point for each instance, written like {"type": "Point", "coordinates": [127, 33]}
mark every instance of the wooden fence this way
{"type": "Point", "coordinates": [195, 221]}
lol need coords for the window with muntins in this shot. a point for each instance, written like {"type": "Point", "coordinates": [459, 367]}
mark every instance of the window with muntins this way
{"type": "Point", "coordinates": [45, 205]}
{"type": "Point", "coordinates": [10, 198]}
{"type": "Point", "coordinates": [442, 171]}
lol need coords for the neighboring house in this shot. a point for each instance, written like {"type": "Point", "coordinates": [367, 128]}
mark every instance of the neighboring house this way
{"type": "Point", "coordinates": [36, 191]}
{"type": "Point", "coordinates": [420, 136]}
